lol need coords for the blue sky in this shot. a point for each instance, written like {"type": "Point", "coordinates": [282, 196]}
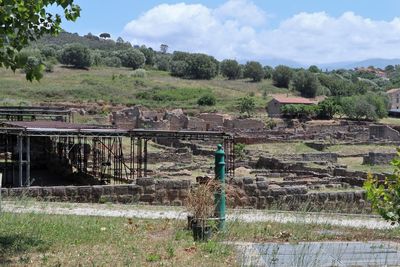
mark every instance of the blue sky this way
{"type": "Point", "coordinates": [306, 31]}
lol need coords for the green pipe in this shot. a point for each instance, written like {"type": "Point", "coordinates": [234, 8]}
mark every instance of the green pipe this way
{"type": "Point", "coordinates": [220, 201]}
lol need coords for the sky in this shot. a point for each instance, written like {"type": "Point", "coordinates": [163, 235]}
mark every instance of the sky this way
{"type": "Point", "coordinates": [304, 31]}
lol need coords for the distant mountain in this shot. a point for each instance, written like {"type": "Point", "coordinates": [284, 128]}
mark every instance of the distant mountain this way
{"type": "Point", "coordinates": [376, 62]}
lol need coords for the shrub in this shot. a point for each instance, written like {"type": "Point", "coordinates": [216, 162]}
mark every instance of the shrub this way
{"type": "Point", "coordinates": [207, 100]}
{"type": "Point", "coordinates": [253, 70]}
{"type": "Point", "coordinates": [327, 109]}
{"type": "Point", "coordinates": [76, 55]}
{"type": "Point", "coordinates": [33, 68]}
{"type": "Point", "coordinates": [299, 111]}
{"type": "Point", "coordinates": [163, 62]}
{"type": "Point", "coordinates": [282, 76]}
{"type": "Point", "coordinates": [385, 196]}
{"type": "Point", "coordinates": [239, 150]}
{"type": "Point", "coordinates": [247, 105]}
{"type": "Point", "coordinates": [112, 61]}
{"type": "Point", "coordinates": [139, 73]}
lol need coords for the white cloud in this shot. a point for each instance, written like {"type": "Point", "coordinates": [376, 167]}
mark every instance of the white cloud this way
{"type": "Point", "coordinates": [238, 29]}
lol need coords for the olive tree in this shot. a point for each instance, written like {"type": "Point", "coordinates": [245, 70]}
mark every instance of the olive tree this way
{"type": "Point", "coordinates": [25, 21]}
{"type": "Point", "coordinates": [231, 69]}
{"type": "Point", "coordinates": [253, 70]}
{"type": "Point", "coordinates": [76, 55]}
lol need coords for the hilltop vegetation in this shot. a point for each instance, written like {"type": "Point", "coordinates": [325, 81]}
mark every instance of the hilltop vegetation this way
{"type": "Point", "coordinates": [118, 73]}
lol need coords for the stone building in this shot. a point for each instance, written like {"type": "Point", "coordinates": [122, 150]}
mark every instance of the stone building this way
{"type": "Point", "coordinates": [275, 105]}
{"type": "Point", "coordinates": [394, 98]}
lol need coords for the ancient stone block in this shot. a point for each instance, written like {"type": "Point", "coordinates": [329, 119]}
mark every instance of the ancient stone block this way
{"type": "Point", "coordinates": [178, 184]}
{"type": "Point", "coordinates": [121, 189]}
{"type": "Point", "coordinates": [262, 185]}
{"type": "Point", "coordinates": [59, 192]}
{"type": "Point", "coordinates": [149, 198]}
{"type": "Point", "coordinates": [248, 180]}
{"type": "Point", "coordinates": [108, 190]}
{"type": "Point", "coordinates": [145, 181]}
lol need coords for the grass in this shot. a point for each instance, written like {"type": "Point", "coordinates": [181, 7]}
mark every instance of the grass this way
{"type": "Point", "coordinates": [115, 86]}
{"type": "Point", "coordinates": [361, 149]}
{"type": "Point", "coordinates": [282, 148]}
{"type": "Point", "coordinates": [355, 164]}
{"type": "Point", "coordinates": [58, 240]}
{"type": "Point", "coordinates": [392, 121]}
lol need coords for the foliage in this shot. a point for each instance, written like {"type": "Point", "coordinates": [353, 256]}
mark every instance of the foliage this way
{"type": "Point", "coordinates": [254, 70]}
{"type": "Point", "coordinates": [105, 35]}
{"type": "Point", "coordinates": [162, 62]}
{"type": "Point", "coordinates": [306, 83]}
{"type": "Point", "coordinates": [179, 68]}
{"type": "Point", "coordinates": [76, 55]}
{"type": "Point", "coordinates": [132, 58]}
{"type": "Point", "coordinates": [112, 61]}
{"type": "Point", "coordinates": [299, 111]}
{"type": "Point", "coordinates": [327, 109]}
{"type": "Point", "coordinates": [207, 100]}
{"type": "Point", "coordinates": [149, 54]}
{"type": "Point", "coordinates": [230, 68]}
{"type": "Point", "coordinates": [314, 69]}
{"type": "Point", "coordinates": [385, 197]}
{"type": "Point", "coordinates": [268, 71]}
{"type": "Point", "coordinates": [239, 150]}
{"type": "Point", "coordinates": [247, 105]}
{"type": "Point", "coordinates": [34, 68]}
{"type": "Point", "coordinates": [371, 106]}
{"type": "Point", "coordinates": [282, 76]}
{"type": "Point", "coordinates": [201, 66]}
{"type": "Point", "coordinates": [139, 73]}
{"type": "Point", "coordinates": [25, 21]}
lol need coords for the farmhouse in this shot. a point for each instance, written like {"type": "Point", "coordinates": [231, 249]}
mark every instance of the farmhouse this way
{"type": "Point", "coordinates": [277, 102]}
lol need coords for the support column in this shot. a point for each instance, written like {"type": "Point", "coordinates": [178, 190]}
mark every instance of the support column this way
{"type": "Point", "coordinates": [145, 157]}
{"type": "Point", "coordinates": [220, 202]}
{"type": "Point", "coordinates": [20, 160]}
{"type": "Point", "coordinates": [28, 161]}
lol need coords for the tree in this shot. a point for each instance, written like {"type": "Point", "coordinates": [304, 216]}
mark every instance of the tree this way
{"type": "Point", "coordinates": [384, 195]}
{"type": "Point", "coordinates": [268, 70]}
{"type": "Point", "coordinates": [247, 105]}
{"type": "Point", "coordinates": [327, 109]}
{"type": "Point", "coordinates": [132, 58]}
{"type": "Point", "coordinates": [282, 76]}
{"type": "Point", "coordinates": [201, 66]}
{"type": "Point", "coordinates": [163, 62]}
{"type": "Point", "coordinates": [179, 68]}
{"type": "Point", "coordinates": [231, 69]}
{"type": "Point", "coordinates": [314, 69]}
{"type": "Point", "coordinates": [76, 55]}
{"type": "Point", "coordinates": [105, 35]}
{"type": "Point", "coordinates": [25, 21]}
{"type": "Point", "coordinates": [253, 70]}
{"type": "Point", "coordinates": [164, 48]}
{"type": "Point", "coordinates": [148, 54]}
{"type": "Point", "coordinates": [306, 83]}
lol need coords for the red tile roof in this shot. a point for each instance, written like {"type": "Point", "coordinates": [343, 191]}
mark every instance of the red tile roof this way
{"type": "Point", "coordinates": [293, 100]}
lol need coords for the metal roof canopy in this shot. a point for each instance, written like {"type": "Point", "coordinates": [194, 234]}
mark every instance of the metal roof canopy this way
{"type": "Point", "coordinates": [59, 128]}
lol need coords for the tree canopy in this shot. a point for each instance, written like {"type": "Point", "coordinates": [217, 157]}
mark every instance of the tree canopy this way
{"type": "Point", "coordinates": [25, 21]}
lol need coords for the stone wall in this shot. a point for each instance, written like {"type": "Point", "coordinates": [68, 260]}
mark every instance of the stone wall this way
{"type": "Point", "coordinates": [383, 132]}
{"type": "Point", "coordinates": [374, 158]}
{"type": "Point", "coordinates": [245, 192]}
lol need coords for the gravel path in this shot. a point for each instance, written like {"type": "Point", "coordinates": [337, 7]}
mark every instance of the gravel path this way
{"type": "Point", "coordinates": [156, 212]}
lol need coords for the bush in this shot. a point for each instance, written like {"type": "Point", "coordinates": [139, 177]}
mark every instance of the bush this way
{"type": "Point", "coordinates": [299, 111]}
{"type": "Point", "coordinates": [112, 61]}
{"type": "Point", "coordinates": [268, 71]}
{"type": "Point", "coordinates": [131, 58]}
{"type": "Point", "coordinates": [282, 76]}
{"type": "Point", "coordinates": [230, 69]}
{"type": "Point", "coordinates": [253, 70]}
{"type": "Point", "coordinates": [371, 106]}
{"type": "Point", "coordinates": [247, 105]}
{"type": "Point", "coordinates": [306, 83]}
{"type": "Point", "coordinates": [76, 55]}
{"type": "Point", "coordinates": [207, 100]}
{"type": "Point", "coordinates": [384, 196]}
{"type": "Point", "coordinates": [139, 73]}
{"type": "Point", "coordinates": [34, 68]}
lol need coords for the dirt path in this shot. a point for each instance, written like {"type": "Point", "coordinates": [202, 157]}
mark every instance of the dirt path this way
{"type": "Point", "coordinates": [155, 212]}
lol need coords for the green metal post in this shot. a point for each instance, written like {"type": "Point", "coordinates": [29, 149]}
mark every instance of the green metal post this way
{"type": "Point", "coordinates": [220, 202]}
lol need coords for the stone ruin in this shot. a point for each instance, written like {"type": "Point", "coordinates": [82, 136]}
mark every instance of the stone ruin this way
{"type": "Point", "coordinates": [174, 120]}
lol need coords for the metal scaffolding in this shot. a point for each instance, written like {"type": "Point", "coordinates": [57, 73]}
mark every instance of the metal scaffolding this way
{"type": "Point", "coordinates": [35, 113]}
{"type": "Point", "coordinates": [108, 154]}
